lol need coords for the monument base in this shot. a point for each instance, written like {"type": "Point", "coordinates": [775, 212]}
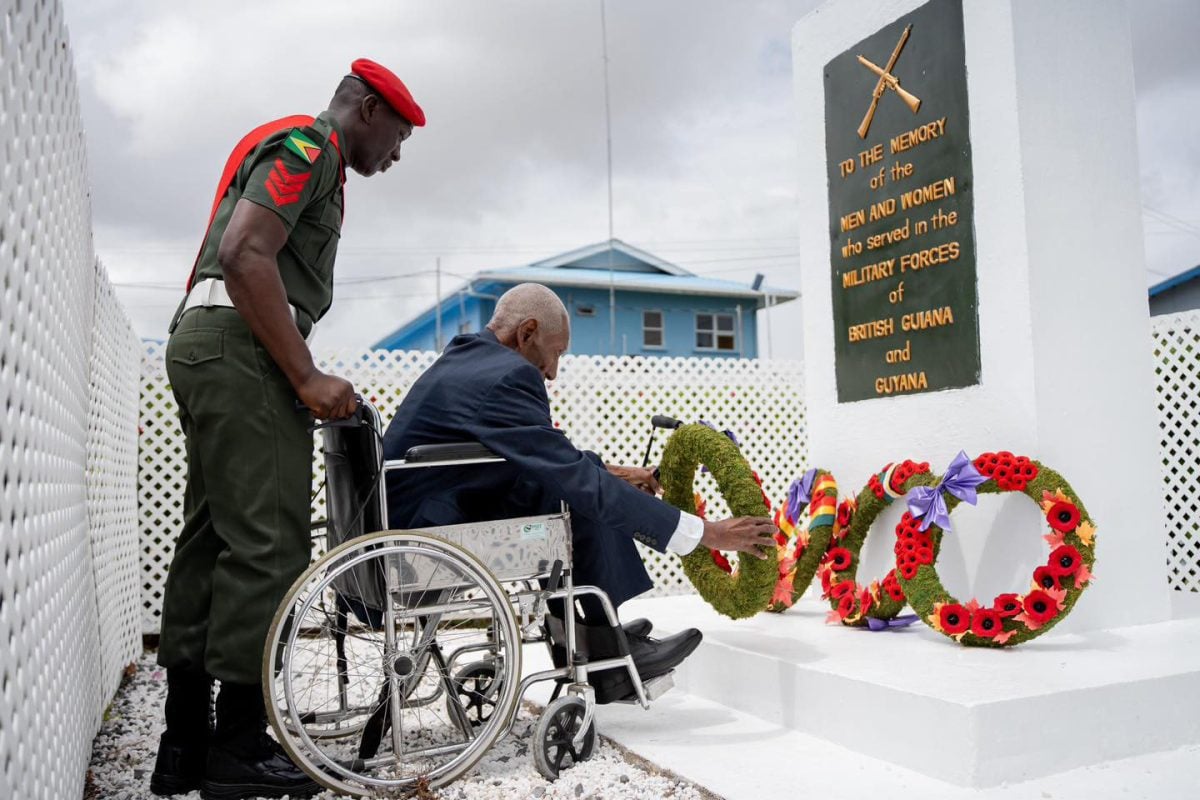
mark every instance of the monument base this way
{"type": "Point", "coordinates": [963, 716]}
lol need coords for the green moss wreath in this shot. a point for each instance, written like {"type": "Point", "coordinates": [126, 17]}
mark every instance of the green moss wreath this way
{"type": "Point", "coordinates": [748, 590]}
{"type": "Point", "coordinates": [854, 604]}
{"type": "Point", "coordinates": [1012, 618]}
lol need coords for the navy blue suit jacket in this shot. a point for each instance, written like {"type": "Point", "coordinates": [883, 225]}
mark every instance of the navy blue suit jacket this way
{"type": "Point", "coordinates": [480, 390]}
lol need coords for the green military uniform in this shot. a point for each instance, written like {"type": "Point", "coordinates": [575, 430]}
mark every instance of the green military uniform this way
{"type": "Point", "coordinates": [246, 532]}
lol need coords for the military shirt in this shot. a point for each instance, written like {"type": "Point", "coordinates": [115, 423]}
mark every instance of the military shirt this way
{"type": "Point", "coordinates": [297, 174]}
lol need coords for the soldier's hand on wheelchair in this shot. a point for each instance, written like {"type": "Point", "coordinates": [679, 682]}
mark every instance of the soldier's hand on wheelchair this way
{"type": "Point", "coordinates": [751, 535]}
{"type": "Point", "coordinates": [641, 478]}
{"type": "Point", "coordinates": [328, 396]}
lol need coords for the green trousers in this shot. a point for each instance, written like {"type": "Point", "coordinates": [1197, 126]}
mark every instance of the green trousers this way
{"type": "Point", "coordinates": [246, 532]}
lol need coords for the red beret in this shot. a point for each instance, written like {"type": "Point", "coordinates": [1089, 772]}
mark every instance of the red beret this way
{"type": "Point", "coordinates": [390, 88]}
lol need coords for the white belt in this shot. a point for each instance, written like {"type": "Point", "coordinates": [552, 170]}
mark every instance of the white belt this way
{"type": "Point", "coordinates": [211, 292]}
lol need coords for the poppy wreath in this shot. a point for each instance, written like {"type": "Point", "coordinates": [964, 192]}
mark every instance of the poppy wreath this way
{"type": "Point", "coordinates": [736, 593]}
{"type": "Point", "coordinates": [1011, 618]}
{"type": "Point", "coordinates": [852, 603]}
{"type": "Point", "coordinates": [801, 548]}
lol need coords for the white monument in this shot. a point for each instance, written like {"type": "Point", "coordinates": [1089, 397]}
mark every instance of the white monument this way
{"type": "Point", "coordinates": [983, 157]}
{"type": "Point", "coordinates": [1064, 370]}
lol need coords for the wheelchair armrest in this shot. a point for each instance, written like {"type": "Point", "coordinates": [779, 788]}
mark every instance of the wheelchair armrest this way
{"type": "Point", "coordinates": [455, 451]}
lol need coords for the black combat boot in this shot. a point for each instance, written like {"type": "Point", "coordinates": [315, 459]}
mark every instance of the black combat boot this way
{"type": "Point", "coordinates": [183, 747]}
{"type": "Point", "coordinates": [244, 761]}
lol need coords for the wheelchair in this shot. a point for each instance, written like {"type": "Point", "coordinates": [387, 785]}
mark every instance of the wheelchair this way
{"type": "Point", "coordinates": [394, 662]}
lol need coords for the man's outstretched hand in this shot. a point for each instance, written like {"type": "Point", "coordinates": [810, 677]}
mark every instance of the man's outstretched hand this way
{"type": "Point", "coordinates": [753, 535]}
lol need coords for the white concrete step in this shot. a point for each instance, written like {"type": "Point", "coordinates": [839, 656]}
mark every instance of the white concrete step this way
{"type": "Point", "coordinates": [741, 757]}
{"type": "Point", "coordinates": [959, 716]}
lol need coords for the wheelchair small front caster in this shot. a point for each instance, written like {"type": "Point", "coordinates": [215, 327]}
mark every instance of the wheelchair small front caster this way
{"type": "Point", "coordinates": [475, 687]}
{"type": "Point", "coordinates": [553, 738]}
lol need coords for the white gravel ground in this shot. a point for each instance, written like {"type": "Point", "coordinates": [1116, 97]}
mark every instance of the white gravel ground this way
{"type": "Point", "coordinates": [123, 758]}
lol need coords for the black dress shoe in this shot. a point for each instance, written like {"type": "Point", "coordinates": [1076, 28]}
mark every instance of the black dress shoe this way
{"type": "Point", "coordinates": [242, 769]}
{"type": "Point", "coordinates": [179, 768]}
{"type": "Point", "coordinates": [638, 627]}
{"type": "Point", "coordinates": [652, 658]}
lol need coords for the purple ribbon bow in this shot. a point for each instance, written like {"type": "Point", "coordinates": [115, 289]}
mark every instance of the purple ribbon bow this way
{"type": "Point", "coordinates": [927, 503]}
{"type": "Point", "coordinates": [800, 494]}
{"type": "Point", "coordinates": [728, 435]}
{"type": "Point", "coordinates": [904, 621]}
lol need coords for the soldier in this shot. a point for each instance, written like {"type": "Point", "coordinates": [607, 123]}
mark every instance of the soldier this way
{"type": "Point", "coordinates": [248, 391]}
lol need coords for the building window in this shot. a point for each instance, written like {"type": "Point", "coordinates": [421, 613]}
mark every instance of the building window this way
{"type": "Point", "coordinates": [585, 310]}
{"type": "Point", "coordinates": [652, 330]}
{"type": "Point", "coordinates": [715, 332]}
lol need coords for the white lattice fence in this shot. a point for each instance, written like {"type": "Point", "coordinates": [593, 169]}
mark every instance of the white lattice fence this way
{"type": "Point", "coordinates": [1177, 366]}
{"type": "Point", "coordinates": [112, 482]}
{"type": "Point", "coordinates": [65, 522]}
{"type": "Point", "coordinates": [604, 404]}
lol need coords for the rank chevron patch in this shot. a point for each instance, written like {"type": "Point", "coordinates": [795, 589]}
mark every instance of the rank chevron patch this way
{"type": "Point", "coordinates": [285, 187]}
{"type": "Point", "coordinates": [302, 146]}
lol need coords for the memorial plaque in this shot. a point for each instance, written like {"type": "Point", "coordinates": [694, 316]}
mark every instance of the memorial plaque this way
{"type": "Point", "coordinates": [901, 227]}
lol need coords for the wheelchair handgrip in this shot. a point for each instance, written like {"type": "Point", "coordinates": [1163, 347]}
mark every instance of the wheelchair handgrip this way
{"type": "Point", "coordinates": [663, 421]}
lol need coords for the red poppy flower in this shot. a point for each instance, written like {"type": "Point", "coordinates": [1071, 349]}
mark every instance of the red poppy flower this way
{"type": "Point", "coordinates": [954, 618]}
{"type": "Point", "coordinates": [905, 546]}
{"type": "Point", "coordinates": [924, 555]}
{"type": "Point", "coordinates": [826, 581]}
{"type": "Point", "coordinates": [1046, 578]}
{"type": "Point", "coordinates": [986, 623]}
{"type": "Point", "coordinates": [1040, 606]}
{"type": "Point", "coordinates": [1007, 605]}
{"type": "Point", "coordinates": [840, 558]}
{"type": "Point", "coordinates": [865, 601]}
{"type": "Point", "coordinates": [909, 569]}
{"type": "Point", "coordinates": [1065, 560]}
{"type": "Point", "coordinates": [841, 589]}
{"type": "Point", "coordinates": [846, 606]}
{"type": "Point", "coordinates": [721, 561]}
{"type": "Point", "coordinates": [895, 592]}
{"type": "Point", "coordinates": [845, 513]}
{"type": "Point", "coordinates": [876, 486]}
{"type": "Point", "coordinates": [1063, 516]}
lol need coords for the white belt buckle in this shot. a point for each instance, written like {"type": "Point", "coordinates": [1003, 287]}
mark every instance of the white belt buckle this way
{"type": "Point", "coordinates": [206, 299]}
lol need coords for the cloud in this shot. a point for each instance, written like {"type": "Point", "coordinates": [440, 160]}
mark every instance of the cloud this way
{"type": "Point", "coordinates": [511, 167]}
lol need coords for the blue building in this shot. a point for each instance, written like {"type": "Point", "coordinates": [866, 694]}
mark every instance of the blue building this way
{"type": "Point", "coordinates": [622, 301]}
{"type": "Point", "coordinates": [1181, 293]}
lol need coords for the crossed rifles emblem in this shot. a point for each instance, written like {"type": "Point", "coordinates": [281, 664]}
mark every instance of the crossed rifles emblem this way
{"type": "Point", "coordinates": [887, 81]}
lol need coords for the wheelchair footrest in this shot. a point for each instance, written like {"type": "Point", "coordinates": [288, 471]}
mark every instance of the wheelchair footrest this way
{"type": "Point", "coordinates": [655, 688]}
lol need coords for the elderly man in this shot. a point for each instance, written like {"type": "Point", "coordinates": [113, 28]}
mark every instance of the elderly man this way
{"type": "Point", "coordinates": [247, 391]}
{"type": "Point", "coordinates": [490, 388]}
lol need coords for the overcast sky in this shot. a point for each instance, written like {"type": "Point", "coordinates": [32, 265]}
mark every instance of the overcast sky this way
{"type": "Point", "coordinates": [511, 167]}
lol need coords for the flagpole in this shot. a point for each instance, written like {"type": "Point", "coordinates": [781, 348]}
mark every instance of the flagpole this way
{"type": "Point", "coordinates": [612, 288]}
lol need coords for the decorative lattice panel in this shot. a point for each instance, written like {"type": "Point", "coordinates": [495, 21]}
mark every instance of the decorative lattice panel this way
{"type": "Point", "coordinates": [1177, 367]}
{"type": "Point", "coordinates": [604, 404]}
{"type": "Point", "coordinates": [112, 443]}
{"type": "Point", "coordinates": [59, 501]}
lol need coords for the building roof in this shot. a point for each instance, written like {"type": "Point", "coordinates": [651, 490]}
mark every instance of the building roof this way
{"type": "Point", "coordinates": [627, 268]}
{"type": "Point", "coordinates": [1178, 280]}
{"type": "Point", "coordinates": [598, 266]}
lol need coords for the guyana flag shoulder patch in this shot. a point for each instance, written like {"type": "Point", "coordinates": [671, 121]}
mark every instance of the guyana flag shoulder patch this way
{"type": "Point", "coordinates": [302, 146]}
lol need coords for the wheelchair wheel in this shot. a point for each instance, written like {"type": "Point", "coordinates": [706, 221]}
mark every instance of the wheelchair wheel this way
{"type": "Point", "coordinates": [359, 716]}
{"type": "Point", "coordinates": [475, 686]}
{"type": "Point", "coordinates": [554, 747]}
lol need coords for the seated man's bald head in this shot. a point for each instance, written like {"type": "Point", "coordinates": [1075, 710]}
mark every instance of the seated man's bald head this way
{"type": "Point", "coordinates": [530, 319]}
{"type": "Point", "coordinates": [528, 301]}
